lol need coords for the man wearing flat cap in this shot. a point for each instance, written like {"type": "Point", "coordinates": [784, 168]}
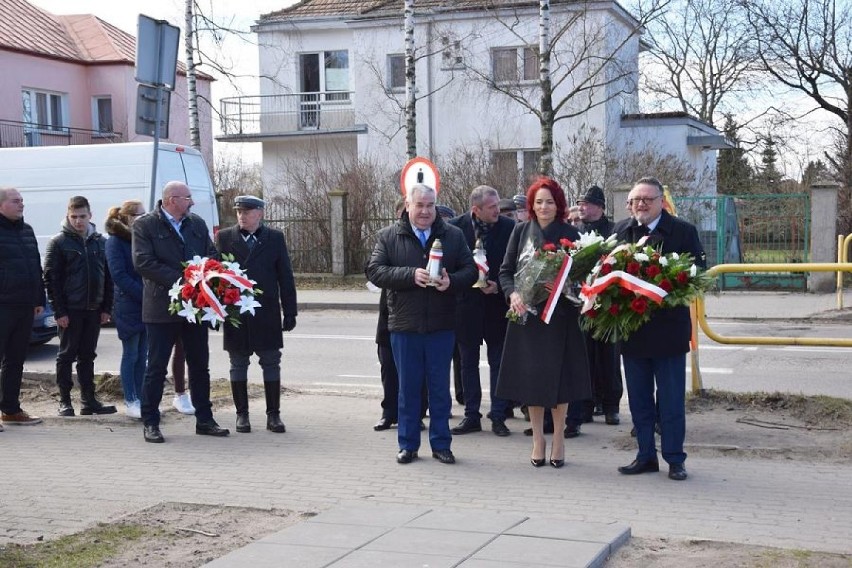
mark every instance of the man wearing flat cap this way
{"type": "Point", "coordinates": [262, 253]}
{"type": "Point", "coordinates": [603, 356]}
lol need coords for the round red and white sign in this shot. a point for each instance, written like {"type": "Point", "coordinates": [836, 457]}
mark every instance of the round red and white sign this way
{"type": "Point", "coordinates": [419, 170]}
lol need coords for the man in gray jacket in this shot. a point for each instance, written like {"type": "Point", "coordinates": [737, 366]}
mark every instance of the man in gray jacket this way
{"type": "Point", "coordinates": [163, 240]}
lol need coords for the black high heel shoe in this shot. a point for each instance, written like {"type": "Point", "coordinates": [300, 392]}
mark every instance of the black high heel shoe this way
{"type": "Point", "coordinates": [556, 463]}
{"type": "Point", "coordinates": [537, 463]}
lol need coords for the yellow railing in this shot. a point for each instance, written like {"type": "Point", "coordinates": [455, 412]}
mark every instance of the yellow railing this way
{"type": "Point", "coordinates": [842, 258]}
{"type": "Point", "coordinates": [781, 267]}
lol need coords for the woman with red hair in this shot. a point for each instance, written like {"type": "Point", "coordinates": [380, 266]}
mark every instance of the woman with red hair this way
{"type": "Point", "coordinates": [544, 365]}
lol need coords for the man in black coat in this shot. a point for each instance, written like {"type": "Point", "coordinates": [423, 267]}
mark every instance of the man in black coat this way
{"type": "Point", "coordinates": [21, 299]}
{"type": "Point", "coordinates": [262, 252]}
{"type": "Point", "coordinates": [603, 355]}
{"type": "Point", "coordinates": [163, 239]}
{"type": "Point", "coordinates": [656, 353]}
{"type": "Point", "coordinates": [421, 315]}
{"type": "Point", "coordinates": [481, 312]}
{"type": "Point", "coordinates": [80, 291]}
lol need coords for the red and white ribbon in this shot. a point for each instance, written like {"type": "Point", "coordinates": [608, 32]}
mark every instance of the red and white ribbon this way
{"type": "Point", "coordinates": [558, 285]}
{"type": "Point", "coordinates": [624, 280]}
{"type": "Point", "coordinates": [201, 277]}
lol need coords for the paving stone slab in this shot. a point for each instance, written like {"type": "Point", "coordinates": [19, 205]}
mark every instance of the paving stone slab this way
{"type": "Point", "coordinates": [544, 552]}
{"type": "Point", "coordinates": [329, 535]}
{"type": "Point", "coordinates": [615, 533]}
{"type": "Point", "coordinates": [384, 559]}
{"type": "Point", "coordinates": [431, 542]}
{"type": "Point", "coordinates": [468, 521]}
{"type": "Point", "coordinates": [261, 555]}
{"type": "Point", "coordinates": [368, 514]}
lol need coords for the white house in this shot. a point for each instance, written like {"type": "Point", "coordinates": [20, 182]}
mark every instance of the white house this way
{"type": "Point", "coordinates": [332, 85]}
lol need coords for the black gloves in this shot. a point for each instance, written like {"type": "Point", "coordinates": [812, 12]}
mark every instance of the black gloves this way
{"type": "Point", "coordinates": [289, 323]}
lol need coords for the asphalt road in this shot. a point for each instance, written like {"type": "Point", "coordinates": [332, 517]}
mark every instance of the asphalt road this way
{"type": "Point", "coordinates": [335, 351]}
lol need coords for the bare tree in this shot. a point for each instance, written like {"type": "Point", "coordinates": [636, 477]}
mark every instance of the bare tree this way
{"type": "Point", "coordinates": [806, 45]}
{"type": "Point", "coordinates": [706, 51]}
{"type": "Point", "coordinates": [584, 61]}
{"type": "Point", "coordinates": [192, 91]}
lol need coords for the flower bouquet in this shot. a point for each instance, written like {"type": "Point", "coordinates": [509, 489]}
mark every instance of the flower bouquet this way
{"type": "Point", "coordinates": [633, 281]}
{"type": "Point", "coordinates": [214, 292]}
{"type": "Point", "coordinates": [545, 273]}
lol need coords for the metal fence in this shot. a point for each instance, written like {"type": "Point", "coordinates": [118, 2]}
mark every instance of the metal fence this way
{"type": "Point", "coordinates": [14, 134]}
{"type": "Point", "coordinates": [308, 239]}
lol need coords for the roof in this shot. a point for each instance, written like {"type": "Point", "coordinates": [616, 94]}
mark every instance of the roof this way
{"type": "Point", "coordinates": [81, 38]}
{"type": "Point", "coordinates": [319, 8]}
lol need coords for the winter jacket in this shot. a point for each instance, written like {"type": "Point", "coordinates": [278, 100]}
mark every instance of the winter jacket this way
{"type": "Point", "coordinates": [75, 272]}
{"type": "Point", "coordinates": [20, 265]}
{"type": "Point", "coordinates": [398, 253]}
{"type": "Point", "coordinates": [158, 256]}
{"type": "Point", "coordinates": [127, 307]}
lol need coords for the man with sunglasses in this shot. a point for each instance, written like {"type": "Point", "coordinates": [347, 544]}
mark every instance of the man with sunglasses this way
{"type": "Point", "coordinates": [655, 355]}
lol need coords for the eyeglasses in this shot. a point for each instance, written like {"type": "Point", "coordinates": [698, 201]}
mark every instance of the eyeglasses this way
{"type": "Point", "coordinates": [643, 200]}
{"type": "Point", "coordinates": [184, 197]}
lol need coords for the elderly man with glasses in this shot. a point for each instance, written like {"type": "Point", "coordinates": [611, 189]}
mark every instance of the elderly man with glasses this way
{"type": "Point", "coordinates": [655, 355]}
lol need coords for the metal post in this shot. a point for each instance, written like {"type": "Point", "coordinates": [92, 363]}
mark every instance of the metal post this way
{"type": "Point", "coordinates": [157, 118]}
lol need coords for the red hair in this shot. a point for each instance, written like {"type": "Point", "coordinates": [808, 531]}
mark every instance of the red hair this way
{"type": "Point", "coordinates": [555, 190]}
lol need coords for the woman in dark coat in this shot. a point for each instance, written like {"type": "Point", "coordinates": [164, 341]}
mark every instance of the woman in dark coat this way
{"type": "Point", "coordinates": [544, 365]}
{"type": "Point", "coordinates": [127, 306]}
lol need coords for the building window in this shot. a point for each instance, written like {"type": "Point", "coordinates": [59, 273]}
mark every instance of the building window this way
{"type": "Point", "coordinates": [514, 64]}
{"type": "Point", "coordinates": [396, 72]}
{"type": "Point", "coordinates": [516, 166]}
{"type": "Point", "coordinates": [45, 110]}
{"type": "Point", "coordinates": [451, 54]}
{"type": "Point", "coordinates": [102, 115]}
{"type": "Point", "coordinates": [325, 71]}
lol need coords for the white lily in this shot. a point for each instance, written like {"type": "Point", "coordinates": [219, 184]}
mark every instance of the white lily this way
{"type": "Point", "coordinates": [693, 270]}
{"type": "Point", "coordinates": [590, 238]}
{"type": "Point", "coordinates": [189, 312]}
{"type": "Point", "coordinates": [174, 291]}
{"type": "Point", "coordinates": [664, 261]}
{"type": "Point", "coordinates": [247, 304]}
{"type": "Point", "coordinates": [211, 316]}
{"type": "Point", "coordinates": [675, 255]}
{"type": "Point", "coordinates": [641, 257]}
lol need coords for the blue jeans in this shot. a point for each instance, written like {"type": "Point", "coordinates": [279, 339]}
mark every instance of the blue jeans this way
{"type": "Point", "coordinates": [161, 341]}
{"type": "Point", "coordinates": [134, 360]}
{"type": "Point", "coordinates": [669, 375]}
{"type": "Point", "coordinates": [472, 386]}
{"type": "Point", "coordinates": [423, 357]}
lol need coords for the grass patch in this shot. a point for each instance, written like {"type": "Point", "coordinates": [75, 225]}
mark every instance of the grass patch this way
{"type": "Point", "coordinates": [80, 550]}
{"type": "Point", "coordinates": [816, 410]}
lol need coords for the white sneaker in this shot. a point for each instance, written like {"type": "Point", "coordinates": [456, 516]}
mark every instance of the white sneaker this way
{"type": "Point", "coordinates": [183, 404]}
{"type": "Point", "coordinates": [134, 409]}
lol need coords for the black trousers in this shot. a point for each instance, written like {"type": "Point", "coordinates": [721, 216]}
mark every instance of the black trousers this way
{"type": "Point", "coordinates": [78, 343]}
{"type": "Point", "coordinates": [16, 324]}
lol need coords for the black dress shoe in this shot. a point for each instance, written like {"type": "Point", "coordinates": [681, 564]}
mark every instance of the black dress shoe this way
{"type": "Point", "coordinates": [274, 424]}
{"type": "Point", "coordinates": [243, 424]}
{"type": "Point", "coordinates": [677, 472]}
{"type": "Point", "coordinates": [467, 426]}
{"type": "Point", "coordinates": [95, 407]}
{"type": "Point", "coordinates": [406, 456]}
{"type": "Point", "coordinates": [612, 418]}
{"type": "Point", "coordinates": [572, 431]}
{"type": "Point", "coordinates": [499, 428]}
{"type": "Point", "coordinates": [598, 411]}
{"type": "Point", "coordinates": [383, 424]}
{"type": "Point", "coordinates": [637, 467]}
{"type": "Point", "coordinates": [152, 434]}
{"type": "Point", "coordinates": [210, 429]}
{"type": "Point", "coordinates": [444, 456]}
{"type": "Point", "coordinates": [65, 409]}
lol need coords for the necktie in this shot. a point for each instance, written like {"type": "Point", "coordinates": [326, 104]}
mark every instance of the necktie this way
{"type": "Point", "coordinates": [251, 240]}
{"type": "Point", "coordinates": [421, 234]}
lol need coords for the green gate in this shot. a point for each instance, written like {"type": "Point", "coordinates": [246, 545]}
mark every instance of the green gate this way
{"type": "Point", "coordinates": [752, 229]}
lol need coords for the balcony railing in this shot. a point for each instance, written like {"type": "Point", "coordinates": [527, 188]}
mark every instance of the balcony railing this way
{"type": "Point", "coordinates": [14, 134]}
{"type": "Point", "coordinates": [264, 116]}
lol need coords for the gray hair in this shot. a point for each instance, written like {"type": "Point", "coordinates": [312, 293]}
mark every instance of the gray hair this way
{"type": "Point", "coordinates": [169, 188]}
{"type": "Point", "coordinates": [480, 192]}
{"type": "Point", "coordinates": [4, 193]}
{"type": "Point", "coordinates": [650, 180]}
{"type": "Point", "coordinates": [420, 188]}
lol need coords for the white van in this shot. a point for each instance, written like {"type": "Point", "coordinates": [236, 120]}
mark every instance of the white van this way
{"type": "Point", "coordinates": [106, 175]}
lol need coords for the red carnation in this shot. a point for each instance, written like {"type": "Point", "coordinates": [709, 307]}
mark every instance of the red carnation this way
{"type": "Point", "coordinates": [566, 243]}
{"type": "Point", "coordinates": [614, 309]}
{"type": "Point", "coordinates": [666, 285]}
{"type": "Point", "coordinates": [549, 247]}
{"type": "Point", "coordinates": [652, 271]}
{"type": "Point", "coordinates": [682, 278]}
{"type": "Point", "coordinates": [189, 272]}
{"type": "Point", "coordinates": [633, 268]}
{"type": "Point", "coordinates": [221, 287]}
{"type": "Point", "coordinates": [625, 292]}
{"type": "Point", "coordinates": [593, 313]}
{"type": "Point", "coordinates": [187, 291]}
{"type": "Point", "coordinates": [639, 305]}
{"type": "Point", "coordinates": [201, 301]}
{"type": "Point", "coordinates": [232, 296]}
{"type": "Point", "coordinates": [606, 269]}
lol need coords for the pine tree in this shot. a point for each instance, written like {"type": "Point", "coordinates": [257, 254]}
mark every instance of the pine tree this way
{"type": "Point", "coordinates": [769, 178]}
{"type": "Point", "coordinates": [734, 173]}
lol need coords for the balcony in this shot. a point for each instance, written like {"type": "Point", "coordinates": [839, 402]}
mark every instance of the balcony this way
{"type": "Point", "coordinates": [14, 134]}
{"type": "Point", "coordinates": [269, 117]}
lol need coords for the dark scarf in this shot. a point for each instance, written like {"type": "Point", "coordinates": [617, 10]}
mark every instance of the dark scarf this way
{"type": "Point", "coordinates": [480, 228]}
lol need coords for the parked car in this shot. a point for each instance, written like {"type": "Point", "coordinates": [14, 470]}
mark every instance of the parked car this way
{"type": "Point", "coordinates": [44, 327]}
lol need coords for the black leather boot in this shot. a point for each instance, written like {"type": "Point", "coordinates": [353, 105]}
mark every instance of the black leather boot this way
{"type": "Point", "coordinates": [65, 408]}
{"type": "Point", "coordinates": [272, 389]}
{"type": "Point", "coordinates": [239, 389]}
{"type": "Point", "coordinates": [89, 404]}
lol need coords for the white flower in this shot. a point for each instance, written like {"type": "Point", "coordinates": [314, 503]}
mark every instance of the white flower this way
{"type": "Point", "coordinates": [641, 257]}
{"type": "Point", "coordinates": [664, 261]}
{"type": "Point", "coordinates": [234, 266]}
{"type": "Point", "coordinates": [247, 303]}
{"type": "Point", "coordinates": [675, 256]}
{"type": "Point", "coordinates": [189, 312]}
{"type": "Point", "coordinates": [693, 270]}
{"type": "Point", "coordinates": [174, 292]}
{"type": "Point", "coordinates": [211, 316]}
{"type": "Point", "coordinates": [586, 239]}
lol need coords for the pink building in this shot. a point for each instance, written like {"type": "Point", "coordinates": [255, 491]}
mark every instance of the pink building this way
{"type": "Point", "coordinates": [70, 80]}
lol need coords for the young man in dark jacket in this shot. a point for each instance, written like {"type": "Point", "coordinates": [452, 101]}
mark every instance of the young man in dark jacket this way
{"type": "Point", "coordinates": [21, 299]}
{"type": "Point", "coordinates": [421, 315]}
{"type": "Point", "coordinates": [262, 252]}
{"type": "Point", "coordinates": [80, 291]}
